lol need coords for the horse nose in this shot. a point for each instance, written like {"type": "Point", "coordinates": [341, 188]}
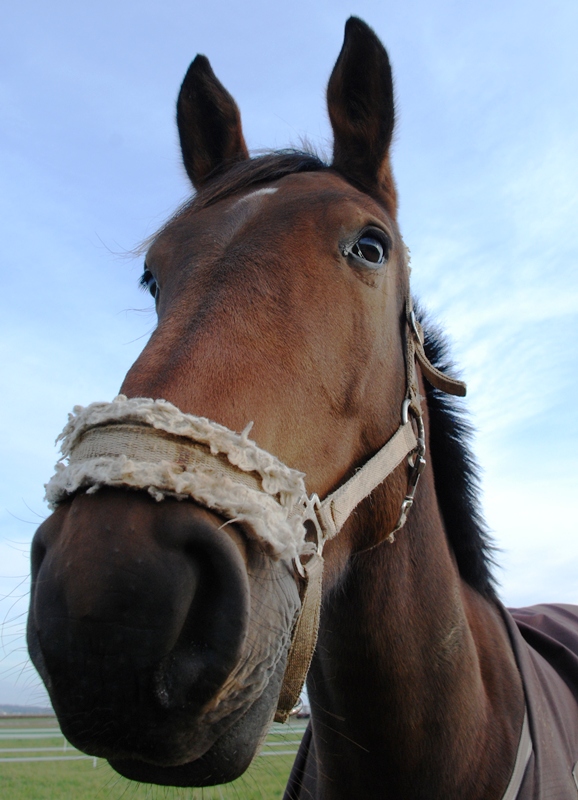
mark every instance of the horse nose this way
{"type": "Point", "coordinates": [135, 603]}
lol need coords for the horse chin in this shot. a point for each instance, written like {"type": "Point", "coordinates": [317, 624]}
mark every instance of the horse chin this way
{"type": "Point", "coordinates": [225, 760]}
{"type": "Point", "coordinates": [183, 746]}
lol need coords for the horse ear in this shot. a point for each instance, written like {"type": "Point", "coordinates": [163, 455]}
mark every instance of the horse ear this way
{"type": "Point", "coordinates": [209, 124]}
{"type": "Point", "coordinates": [361, 110]}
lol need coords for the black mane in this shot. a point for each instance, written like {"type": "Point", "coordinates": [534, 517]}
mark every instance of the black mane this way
{"type": "Point", "coordinates": [457, 475]}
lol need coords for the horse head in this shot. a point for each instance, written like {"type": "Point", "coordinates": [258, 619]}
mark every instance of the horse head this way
{"type": "Point", "coordinates": [159, 623]}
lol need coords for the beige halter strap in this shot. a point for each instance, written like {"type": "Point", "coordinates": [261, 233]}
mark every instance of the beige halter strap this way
{"type": "Point", "coordinates": [329, 515]}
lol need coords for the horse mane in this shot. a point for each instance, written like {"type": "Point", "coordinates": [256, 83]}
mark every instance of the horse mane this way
{"type": "Point", "coordinates": [456, 472]}
{"type": "Point", "coordinates": [457, 476]}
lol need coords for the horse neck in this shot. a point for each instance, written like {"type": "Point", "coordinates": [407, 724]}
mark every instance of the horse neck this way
{"type": "Point", "coordinates": [414, 689]}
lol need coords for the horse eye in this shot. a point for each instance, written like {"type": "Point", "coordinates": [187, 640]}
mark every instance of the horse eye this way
{"type": "Point", "coordinates": [149, 283]}
{"type": "Point", "coordinates": [371, 249]}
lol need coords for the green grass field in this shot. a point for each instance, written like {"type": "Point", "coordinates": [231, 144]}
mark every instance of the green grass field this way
{"type": "Point", "coordinates": [93, 779]}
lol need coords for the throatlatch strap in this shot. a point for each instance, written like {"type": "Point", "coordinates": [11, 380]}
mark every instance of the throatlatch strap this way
{"type": "Point", "coordinates": [432, 374]}
{"type": "Point", "coordinates": [437, 378]}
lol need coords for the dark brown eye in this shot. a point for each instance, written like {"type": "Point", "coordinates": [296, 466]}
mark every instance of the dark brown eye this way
{"type": "Point", "coordinates": [370, 250]}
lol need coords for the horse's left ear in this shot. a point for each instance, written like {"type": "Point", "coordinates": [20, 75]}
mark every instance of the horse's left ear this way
{"type": "Point", "coordinates": [209, 124]}
{"type": "Point", "coordinates": [361, 110]}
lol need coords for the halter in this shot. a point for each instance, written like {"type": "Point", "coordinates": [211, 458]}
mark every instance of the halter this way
{"type": "Point", "coordinates": [329, 516]}
{"type": "Point", "coordinates": [142, 443]}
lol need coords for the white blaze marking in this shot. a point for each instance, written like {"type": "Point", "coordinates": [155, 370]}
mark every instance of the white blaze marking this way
{"type": "Point", "coordinates": [256, 193]}
{"type": "Point", "coordinates": [241, 211]}
{"type": "Point", "coordinates": [246, 207]}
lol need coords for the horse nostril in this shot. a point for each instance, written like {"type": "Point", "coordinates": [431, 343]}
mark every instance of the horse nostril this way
{"type": "Point", "coordinates": [214, 631]}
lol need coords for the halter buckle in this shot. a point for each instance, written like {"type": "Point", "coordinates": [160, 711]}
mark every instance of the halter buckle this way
{"type": "Point", "coordinates": [417, 463]}
{"type": "Point", "coordinates": [310, 507]}
{"type": "Point", "coordinates": [405, 411]}
{"type": "Point", "coordinates": [414, 326]}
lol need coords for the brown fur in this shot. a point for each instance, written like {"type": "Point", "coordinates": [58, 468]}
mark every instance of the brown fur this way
{"type": "Point", "coordinates": [162, 633]}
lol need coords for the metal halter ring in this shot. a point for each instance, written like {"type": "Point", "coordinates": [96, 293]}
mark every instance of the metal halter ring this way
{"type": "Point", "coordinates": [417, 463]}
{"type": "Point", "coordinates": [309, 504]}
{"type": "Point", "coordinates": [414, 326]}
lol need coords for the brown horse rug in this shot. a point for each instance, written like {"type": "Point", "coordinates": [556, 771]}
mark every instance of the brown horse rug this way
{"type": "Point", "coordinates": [545, 643]}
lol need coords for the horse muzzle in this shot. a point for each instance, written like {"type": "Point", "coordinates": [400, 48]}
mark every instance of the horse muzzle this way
{"type": "Point", "coordinates": [139, 617]}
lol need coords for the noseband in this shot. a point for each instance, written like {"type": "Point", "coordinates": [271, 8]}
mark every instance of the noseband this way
{"type": "Point", "coordinates": [141, 443]}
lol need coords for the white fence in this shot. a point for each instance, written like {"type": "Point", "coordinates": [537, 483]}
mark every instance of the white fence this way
{"type": "Point", "coordinates": [65, 750]}
{"type": "Point", "coordinates": [281, 741]}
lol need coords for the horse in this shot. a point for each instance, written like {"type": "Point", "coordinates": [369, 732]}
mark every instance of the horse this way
{"type": "Point", "coordinates": [285, 486]}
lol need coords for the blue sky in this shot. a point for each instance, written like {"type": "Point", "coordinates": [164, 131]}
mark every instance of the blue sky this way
{"type": "Point", "coordinates": [487, 170]}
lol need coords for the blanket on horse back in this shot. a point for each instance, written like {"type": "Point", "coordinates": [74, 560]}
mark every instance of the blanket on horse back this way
{"type": "Point", "coordinates": [545, 643]}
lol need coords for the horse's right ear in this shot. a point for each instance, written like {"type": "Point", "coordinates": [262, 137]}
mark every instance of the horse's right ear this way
{"type": "Point", "coordinates": [209, 124]}
{"type": "Point", "coordinates": [361, 110]}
